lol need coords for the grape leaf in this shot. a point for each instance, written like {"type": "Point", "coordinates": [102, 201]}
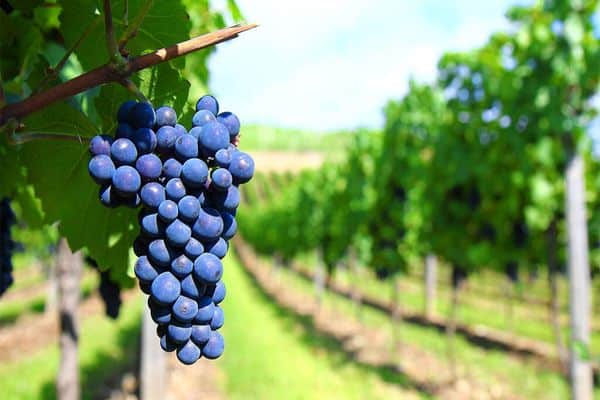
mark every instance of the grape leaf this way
{"type": "Point", "coordinates": [166, 23]}
{"type": "Point", "coordinates": [58, 170]}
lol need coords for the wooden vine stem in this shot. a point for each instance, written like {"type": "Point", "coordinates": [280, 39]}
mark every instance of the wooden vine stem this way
{"type": "Point", "coordinates": [111, 72]}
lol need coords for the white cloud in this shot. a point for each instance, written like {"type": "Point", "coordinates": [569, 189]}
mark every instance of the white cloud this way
{"type": "Point", "coordinates": [333, 64]}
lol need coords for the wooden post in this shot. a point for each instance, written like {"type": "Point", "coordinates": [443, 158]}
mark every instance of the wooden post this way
{"type": "Point", "coordinates": [579, 278]}
{"type": "Point", "coordinates": [319, 278]}
{"type": "Point", "coordinates": [68, 270]}
{"type": "Point", "coordinates": [430, 284]}
{"type": "Point", "coordinates": [153, 362]}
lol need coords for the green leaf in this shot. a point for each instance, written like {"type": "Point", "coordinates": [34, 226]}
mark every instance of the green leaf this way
{"type": "Point", "coordinates": [235, 11]}
{"type": "Point", "coordinates": [58, 170]}
{"type": "Point", "coordinates": [166, 23]}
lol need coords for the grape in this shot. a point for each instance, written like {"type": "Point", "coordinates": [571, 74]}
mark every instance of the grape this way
{"type": "Point", "coordinates": [209, 103]}
{"type": "Point", "coordinates": [101, 169]}
{"type": "Point", "coordinates": [193, 249]}
{"type": "Point", "coordinates": [160, 253]}
{"type": "Point", "coordinates": [200, 334]}
{"type": "Point", "coordinates": [126, 180]}
{"type": "Point", "coordinates": [165, 139]}
{"type": "Point", "coordinates": [241, 167]}
{"type": "Point", "coordinates": [152, 195]}
{"type": "Point", "coordinates": [208, 268]}
{"type": "Point", "coordinates": [179, 332]}
{"type": "Point", "coordinates": [223, 158]}
{"type": "Point", "coordinates": [229, 225]}
{"type": "Point", "coordinates": [206, 310]}
{"type": "Point", "coordinates": [227, 200]}
{"type": "Point", "coordinates": [191, 288]}
{"type": "Point", "coordinates": [217, 292]}
{"type": "Point", "coordinates": [123, 152]}
{"type": "Point", "coordinates": [152, 226]}
{"type": "Point", "coordinates": [202, 117]}
{"type": "Point", "coordinates": [124, 112]}
{"type": "Point", "coordinates": [178, 233]}
{"type": "Point", "coordinates": [209, 225]}
{"type": "Point", "coordinates": [180, 130]}
{"type": "Point", "coordinates": [214, 347]}
{"type": "Point", "coordinates": [182, 266]}
{"type": "Point", "coordinates": [168, 211]}
{"type": "Point", "coordinates": [194, 172]}
{"type": "Point", "coordinates": [142, 115]}
{"type": "Point", "coordinates": [167, 344]}
{"type": "Point", "coordinates": [186, 147]}
{"type": "Point", "coordinates": [175, 189]}
{"type": "Point", "coordinates": [166, 116]}
{"type": "Point", "coordinates": [165, 288]}
{"type": "Point", "coordinates": [217, 320]}
{"type": "Point", "coordinates": [185, 309]}
{"type": "Point", "coordinates": [172, 168]}
{"type": "Point", "coordinates": [188, 353]}
{"type": "Point", "coordinates": [231, 121]}
{"type": "Point", "coordinates": [221, 179]}
{"type": "Point", "coordinates": [214, 137]}
{"type": "Point", "coordinates": [145, 140]}
{"type": "Point", "coordinates": [107, 197]}
{"type": "Point", "coordinates": [100, 144]}
{"type": "Point", "coordinates": [189, 208]}
{"type": "Point", "coordinates": [144, 270]}
{"type": "Point", "coordinates": [149, 166]}
{"type": "Point", "coordinates": [196, 132]}
{"type": "Point", "coordinates": [161, 314]}
{"type": "Point", "coordinates": [124, 131]}
{"type": "Point", "coordinates": [218, 248]}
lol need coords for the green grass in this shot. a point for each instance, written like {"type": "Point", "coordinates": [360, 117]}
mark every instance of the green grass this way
{"type": "Point", "coordinates": [529, 320]}
{"type": "Point", "coordinates": [10, 311]}
{"type": "Point", "coordinates": [273, 354]}
{"type": "Point", "coordinates": [263, 138]}
{"type": "Point", "coordinates": [488, 366]}
{"type": "Point", "coordinates": [107, 349]}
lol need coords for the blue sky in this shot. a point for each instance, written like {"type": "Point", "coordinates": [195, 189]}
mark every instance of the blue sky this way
{"type": "Point", "coordinates": [333, 64]}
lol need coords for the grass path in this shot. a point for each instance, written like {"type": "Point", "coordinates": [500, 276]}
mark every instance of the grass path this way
{"type": "Point", "coordinates": [269, 355]}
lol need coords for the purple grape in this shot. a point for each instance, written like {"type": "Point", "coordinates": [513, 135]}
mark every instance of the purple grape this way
{"type": "Point", "coordinates": [194, 172]}
{"type": "Point", "coordinates": [200, 334]}
{"type": "Point", "coordinates": [241, 167]}
{"type": "Point", "coordinates": [160, 254]}
{"type": "Point", "coordinates": [208, 102]}
{"type": "Point", "coordinates": [142, 115]}
{"type": "Point", "coordinates": [178, 233]}
{"type": "Point", "coordinates": [153, 195]}
{"type": "Point", "coordinates": [208, 268]}
{"type": "Point", "coordinates": [191, 288]}
{"type": "Point", "coordinates": [179, 332]}
{"type": "Point", "coordinates": [189, 208]}
{"type": "Point", "coordinates": [217, 292]}
{"type": "Point", "coordinates": [189, 353]}
{"type": "Point", "coordinates": [145, 140]}
{"type": "Point", "coordinates": [166, 116]}
{"type": "Point", "coordinates": [206, 309]}
{"type": "Point", "coordinates": [218, 319]}
{"type": "Point", "coordinates": [152, 226]}
{"type": "Point", "coordinates": [124, 131]}
{"type": "Point", "coordinates": [101, 169]}
{"type": "Point", "coordinates": [186, 147]}
{"type": "Point", "coordinates": [229, 225]}
{"type": "Point", "coordinates": [209, 225]}
{"type": "Point", "coordinates": [175, 189]}
{"type": "Point", "coordinates": [167, 344]}
{"type": "Point", "coordinates": [185, 309]}
{"type": "Point", "coordinates": [218, 248]}
{"type": "Point", "coordinates": [182, 266]}
{"type": "Point", "coordinates": [108, 198]}
{"type": "Point", "coordinates": [123, 152]}
{"type": "Point", "coordinates": [168, 211]}
{"type": "Point", "coordinates": [144, 270]}
{"type": "Point", "coordinates": [215, 346]}
{"type": "Point", "coordinates": [165, 139]}
{"type": "Point", "coordinates": [193, 249]}
{"type": "Point", "coordinates": [149, 166]}
{"type": "Point", "coordinates": [223, 158]}
{"type": "Point", "coordinates": [100, 144]}
{"type": "Point", "coordinates": [165, 288]}
{"type": "Point", "coordinates": [221, 179]}
{"type": "Point", "coordinates": [126, 180]}
{"type": "Point", "coordinates": [172, 168]}
{"type": "Point", "coordinates": [214, 137]}
{"type": "Point", "coordinates": [202, 117]}
{"type": "Point", "coordinates": [124, 112]}
{"type": "Point", "coordinates": [231, 121]}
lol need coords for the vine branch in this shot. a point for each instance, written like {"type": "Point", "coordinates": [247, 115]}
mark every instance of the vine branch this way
{"type": "Point", "coordinates": [110, 73]}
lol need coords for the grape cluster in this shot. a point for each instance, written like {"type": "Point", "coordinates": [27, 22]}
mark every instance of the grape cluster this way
{"type": "Point", "coordinates": [187, 183]}
{"type": "Point", "coordinates": [7, 246]}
